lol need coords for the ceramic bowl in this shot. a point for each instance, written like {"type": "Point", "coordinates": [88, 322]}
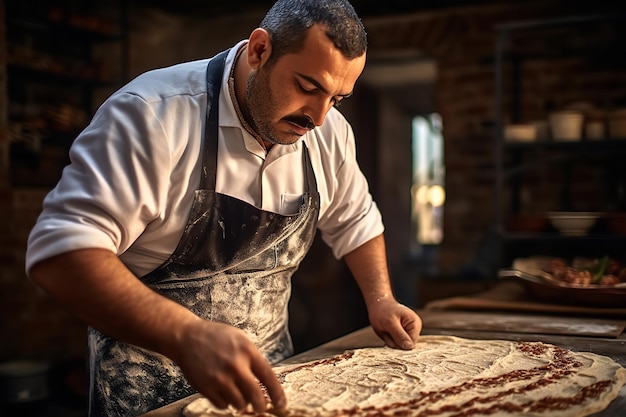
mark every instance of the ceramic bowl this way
{"type": "Point", "coordinates": [573, 223]}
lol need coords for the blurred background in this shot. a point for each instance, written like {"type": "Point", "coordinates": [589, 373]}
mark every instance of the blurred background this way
{"type": "Point", "coordinates": [477, 124]}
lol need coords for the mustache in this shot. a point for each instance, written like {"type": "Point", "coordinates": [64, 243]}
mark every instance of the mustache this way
{"type": "Point", "coordinates": [301, 121]}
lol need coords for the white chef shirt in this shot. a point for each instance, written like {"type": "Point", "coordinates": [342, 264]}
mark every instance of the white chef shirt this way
{"type": "Point", "coordinates": [133, 172]}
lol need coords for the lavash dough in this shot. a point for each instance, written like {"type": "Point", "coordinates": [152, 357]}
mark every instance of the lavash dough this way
{"type": "Point", "coordinates": [436, 374]}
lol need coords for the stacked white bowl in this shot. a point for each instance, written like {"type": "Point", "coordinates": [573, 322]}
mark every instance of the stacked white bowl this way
{"type": "Point", "coordinates": [566, 125]}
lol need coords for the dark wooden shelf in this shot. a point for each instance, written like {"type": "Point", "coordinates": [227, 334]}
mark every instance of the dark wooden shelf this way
{"type": "Point", "coordinates": [43, 75]}
{"type": "Point", "coordinates": [550, 169]}
{"type": "Point", "coordinates": [51, 54]}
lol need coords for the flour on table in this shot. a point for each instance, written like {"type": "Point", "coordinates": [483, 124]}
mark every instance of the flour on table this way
{"type": "Point", "coordinates": [446, 376]}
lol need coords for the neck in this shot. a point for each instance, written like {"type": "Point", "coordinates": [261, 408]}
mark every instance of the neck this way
{"type": "Point", "coordinates": [237, 88]}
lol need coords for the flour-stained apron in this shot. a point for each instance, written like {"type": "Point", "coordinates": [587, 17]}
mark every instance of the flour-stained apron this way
{"type": "Point", "coordinates": [233, 265]}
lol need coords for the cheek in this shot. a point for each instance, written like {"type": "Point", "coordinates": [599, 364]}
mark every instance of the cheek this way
{"type": "Point", "coordinates": [287, 103]}
{"type": "Point", "coordinates": [285, 99]}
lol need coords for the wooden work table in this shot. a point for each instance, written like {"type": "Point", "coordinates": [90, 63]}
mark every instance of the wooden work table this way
{"type": "Point", "coordinates": [602, 336]}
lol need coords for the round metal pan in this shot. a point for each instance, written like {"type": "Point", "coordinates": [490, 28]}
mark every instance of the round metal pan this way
{"type": "Point", "coordinates": [559, 292]}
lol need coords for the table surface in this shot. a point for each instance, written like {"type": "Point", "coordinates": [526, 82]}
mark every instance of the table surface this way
{"type": "Point", "coordinates": [604, 337]}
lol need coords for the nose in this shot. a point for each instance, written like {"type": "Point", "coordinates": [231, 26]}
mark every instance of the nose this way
{"type": "Point", "coordinates": [317, 108]}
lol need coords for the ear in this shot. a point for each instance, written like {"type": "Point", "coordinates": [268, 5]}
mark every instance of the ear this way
{"type": "Point", "coordinates": [259, 48]}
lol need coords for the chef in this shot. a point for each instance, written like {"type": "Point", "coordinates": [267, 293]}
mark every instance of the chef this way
{"type": "Point", "coordinates": [190, 200]}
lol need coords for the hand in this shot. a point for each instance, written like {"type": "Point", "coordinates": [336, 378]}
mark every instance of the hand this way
{"type": "Point", "coordinates": [396, 324]}
{"type": "Point", "coordinates": [223, 364]}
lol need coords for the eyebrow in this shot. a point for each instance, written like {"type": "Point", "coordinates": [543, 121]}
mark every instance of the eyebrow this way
{"type": "Point", "coordinates": [321, 87]}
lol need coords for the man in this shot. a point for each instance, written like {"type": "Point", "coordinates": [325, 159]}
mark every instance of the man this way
{"type": "Point", "coordinates": [191, 199]}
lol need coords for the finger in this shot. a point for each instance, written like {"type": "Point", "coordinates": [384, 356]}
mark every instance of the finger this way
{"type": "Point", "coordinates": [387, 339]}
{"type": "Point", "coordinates": [414, 328]}
{"type": "Point", "coordinates": [216, 399]}
{"type": "Point", "coordinates": [264, 372]}
{"type": "Point", "coordinates": [251, 389]}
{"type": "Point", "coordinates": [230, 394]}
{"type": "Point", "coordinates": [401, 339]}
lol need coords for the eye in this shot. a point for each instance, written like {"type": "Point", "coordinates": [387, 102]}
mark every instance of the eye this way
{"type": "Point", "coordinates": [337, 100]}
{"type": "Point", "coordinates": [305, 90]}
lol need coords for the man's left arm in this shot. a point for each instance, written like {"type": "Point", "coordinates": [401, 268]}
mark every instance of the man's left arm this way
{"type": "Point", "coordinates": [396, 324]}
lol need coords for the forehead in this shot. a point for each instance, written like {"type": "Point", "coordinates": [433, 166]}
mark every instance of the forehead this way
{"type": "Point", "coordinates": [321, 60]}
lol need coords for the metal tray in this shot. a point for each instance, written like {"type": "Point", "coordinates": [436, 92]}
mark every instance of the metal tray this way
{"type": "Point", "coordinates": [560, 292]}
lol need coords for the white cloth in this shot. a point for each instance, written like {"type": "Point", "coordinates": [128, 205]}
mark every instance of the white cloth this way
{"type": "Point", "coordinates": [134, 170]}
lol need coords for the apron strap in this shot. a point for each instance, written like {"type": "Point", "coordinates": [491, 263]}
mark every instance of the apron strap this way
{"type": "Point", "coordinates": [309, 174]}
{"type": "Point", "coordinates": [215, 70]}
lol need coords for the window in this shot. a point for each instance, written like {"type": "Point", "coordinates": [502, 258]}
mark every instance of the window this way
{"type": "Point", "coordinates": [428, 193]}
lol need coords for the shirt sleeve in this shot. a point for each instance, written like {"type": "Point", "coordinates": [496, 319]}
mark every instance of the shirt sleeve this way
{"type": "Point", "coordinates": [352, 217]}
{"type": "Point", "coordinates": [111, 189]}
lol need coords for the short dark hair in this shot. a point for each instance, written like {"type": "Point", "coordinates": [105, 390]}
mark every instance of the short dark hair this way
{"type": "Point", "coordinates": [288, 21]}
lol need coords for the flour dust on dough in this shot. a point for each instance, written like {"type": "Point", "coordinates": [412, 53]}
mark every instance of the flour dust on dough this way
{"type": "Point", "coordinates": [446, 376]}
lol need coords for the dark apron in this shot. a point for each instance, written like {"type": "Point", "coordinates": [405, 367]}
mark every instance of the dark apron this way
{"type": "Point", "coordinates": [233, 265]}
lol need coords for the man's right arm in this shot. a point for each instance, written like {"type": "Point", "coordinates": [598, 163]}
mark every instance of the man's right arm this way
{"type": "Point", "coordinates": [219, 360]}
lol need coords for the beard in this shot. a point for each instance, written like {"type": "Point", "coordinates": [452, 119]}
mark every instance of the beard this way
{"type": "Point", "coordinates": [261, 113]}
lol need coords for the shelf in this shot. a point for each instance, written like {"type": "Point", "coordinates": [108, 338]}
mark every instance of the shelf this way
{"type": "Point", "coordinates": [556, 238]}
{"type": "Point", "coordinates": [63, 30]}
{"type": "Point", "coordinates": [520, 246]}
{"type": "Point", "coordinates": [54, 73]}
{"type": "Point", "coordinates": [583, 145]}
{"type": "Point", "coordinates": [543, 154]}
{"type": "Point", "coordinates": [530, 176]}
{"type": "Point", "coordinates": [78, 22]}
{"type": "Point", "coordinates": [86, 77]}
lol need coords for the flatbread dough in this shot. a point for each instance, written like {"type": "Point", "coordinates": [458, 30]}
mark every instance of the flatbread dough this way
{"type": "Point", "coordinates": [447, 376]}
